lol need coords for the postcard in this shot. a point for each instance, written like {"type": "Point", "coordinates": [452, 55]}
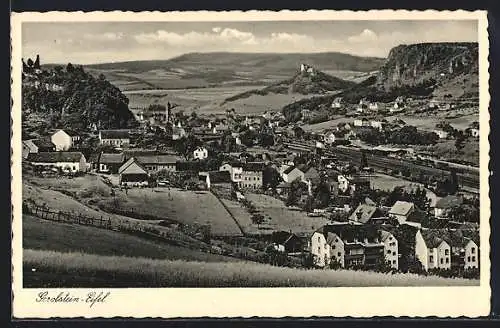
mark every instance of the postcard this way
{"type": "Point", "coordinates": [250, 164]}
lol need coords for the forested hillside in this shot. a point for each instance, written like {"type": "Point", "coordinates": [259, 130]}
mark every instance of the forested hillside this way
{"type": "Point", "coordinates": [68, 97]}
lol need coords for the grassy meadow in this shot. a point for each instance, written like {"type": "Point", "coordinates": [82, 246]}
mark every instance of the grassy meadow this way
{"type": "Point", "coordinates": [179, 205]}
{"type": "Point", "coordinates": [39, 234]}
{"type": "Point", "coordinates": [56, 269]}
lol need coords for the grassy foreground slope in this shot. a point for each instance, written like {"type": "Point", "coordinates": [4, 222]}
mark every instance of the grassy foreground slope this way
{"type": "Point", "coordinates": [63, 237]}
{"type": "Point", "coordinates": [54, 269]}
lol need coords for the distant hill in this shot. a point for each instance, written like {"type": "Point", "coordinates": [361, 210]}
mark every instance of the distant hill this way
{"type": "Point", "coordinates": [306, 81]}
{"type": "Point", "coordinates": [210, 69]}
{"type": "Point", "coordinates": [420, 70]}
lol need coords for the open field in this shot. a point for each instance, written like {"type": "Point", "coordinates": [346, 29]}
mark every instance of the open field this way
{"type": "Point", "coordinates": [271, 102]}
{"type": "Point", "coordinates": [54, 269]}
{"type": "Point", "coordinates": [388, 183]}
{"type": "Point", "coordinates": [202, 100]}
{"type": "Point", "coordinates": [41, 234]}
{"type": "Point", "coordinates": [318, 127]}
{"type": "Point", "coordinates": [447, 150]}
{"type": "Point", "coordinates": [429, 122]}
{"type": "Point", "coordinates": [283, 218]}
{"type": "Point", "coordinates": [183, 206]}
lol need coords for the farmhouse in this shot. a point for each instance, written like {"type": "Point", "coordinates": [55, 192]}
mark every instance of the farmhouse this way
{"type": "Point", "coordinates": [115, 138]}
{"type": "Point", "coordinates": [364, 213]}
{"type": "Point", "coordinates": [391, 251]}
{"type": "Point", "coordinates": [221, 178]}
{"type": "Point", "coordinates": [200, 153]}
{"type": "Point", "coordinates": [110, 163]}
{"type": "Point", "coordinates": [235, 169]}
{"type": "Point", "coordinates": [158, 162]}
{"type": "Point", "coordinates": [133, 174]}
{"type": "Point", "coordinates": [445, 204]}
{"type": "Point", "coordinates": [432, 250]}
{"type": "Point", "coordinates": [292, 173]}
{"type": "Point", "coordinates": [64, 140]}
{"type": "Point", "coordinates": [251, 177]}
{"type": "Point", "coordinates": [401, 210]}
{"type": "Point", "coordinates": [37, 145]}
{"type": "Point", "coordinates": [337, 103]}
{"type": "Point", "coordinates": [287, 242]}
{"type": "Point", "coordinates": [70, 162]}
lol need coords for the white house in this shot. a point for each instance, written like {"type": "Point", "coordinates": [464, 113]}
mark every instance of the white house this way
{"type": "Point", "coordinates": [471, 255]}
{"type": "Point", "coordinates": [116, 138]}
{"type": "Point", "coordinates": [320, 250]}
{"type": "Point", "coordinates": [391, 251]}
{"type": "Point", "coordinates": [64, 140]}
{"type": "Point", "coordinates": [343, 183]}
{"type": "Point", "coordinates": [441, 134]}
{"type": "Point", "coordinates": [376, 124]}
{"type": "Point", "coordinates": [234, 169]}
{"type": "Point", "coordinates": [373, 106]}
{"type": "Point", "coordinates": [329, 138]}
{"type": "Point", "coordinates": [337, 103]}
{"type": "Point", "coordinates": [445, 204]}
{"type": "Point", "coordinates": [71, 162]}
{"type": "Point", "coordinates": [474, 132]}
{"type": "Point", "coordinates": [401, 210]}
{"type": "Point", "coordinates": [200, 153]}
{"type": "Point", "coordinates": [432, 251]}
{"type": "Point", "coordinates": [291, 174]}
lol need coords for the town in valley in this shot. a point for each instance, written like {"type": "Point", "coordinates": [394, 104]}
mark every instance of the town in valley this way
{"type": "Point", "coordinates": [316, 169]}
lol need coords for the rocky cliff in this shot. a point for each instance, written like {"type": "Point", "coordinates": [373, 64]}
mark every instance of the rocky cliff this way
{"type": "Point", "coordinates": [453, 66]}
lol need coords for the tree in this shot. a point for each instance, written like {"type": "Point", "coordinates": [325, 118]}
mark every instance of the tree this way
{"type": "Point", "coordinates": [186, 145]}
{"type": "Point", "coordinates": [364, 161]}
{"type": "Point", "coordinates": [257, 219]}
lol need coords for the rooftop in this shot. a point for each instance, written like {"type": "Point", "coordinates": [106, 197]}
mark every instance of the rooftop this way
{"type": "Point", "coordinates": [55, 157]}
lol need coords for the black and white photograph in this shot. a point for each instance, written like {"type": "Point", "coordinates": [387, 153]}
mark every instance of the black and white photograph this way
{"type": "Point", "coordinates": [251, 153]}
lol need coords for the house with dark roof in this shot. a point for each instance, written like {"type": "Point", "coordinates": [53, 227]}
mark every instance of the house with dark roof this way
{"type": "Point", "coordinates": [446, 204]}
{"type": "Point", "coordinates": [110, 163]}
{"type": "Point", "coordinates": [432, 250]}
{"type": "Point", "coordinates": [36, 146]}
{"type": "Point", "coordinates": [291, 174]}
{"type": "Point", "coordinates": [365, 213]}
{"type": "Point", "coordinates": [155, 162]}
{"type": "Point", "coordinates": [133, 174]}
{"type": "Point", "coordinates": [252, 175]}
{"type": "Point", "coordinates": [464, 247]}
{"type": "Point", "coordinates": [66, 161]}
{"type": "Point", "coordinates": [287, 242]}
{"type": "Point", "coordinates": [116, 138]}
{"type": "Point", "coordinates": [220, 178]}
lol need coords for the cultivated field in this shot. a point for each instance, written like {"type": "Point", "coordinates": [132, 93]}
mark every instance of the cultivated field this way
{"type": "Point", "coordinates": [54, 269]}
{"type": "Point", "coordinates": [202, 100]}
{"type": "Point", "coordinates": [183, 206]}
{"type": "Point", "coordinates": [283, 218]}
{"type": "Point", "coordinates": [41, 234]}
{"type": "Point", "coordinates": [318, 127]}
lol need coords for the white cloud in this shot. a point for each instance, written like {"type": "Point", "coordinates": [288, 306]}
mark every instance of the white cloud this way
{"type": "Point", "coordinates": [216, 29]}
{"type": "Point", "coordinates": [366, 36]}
{"type": "Point", "coordinates": [108, 36]}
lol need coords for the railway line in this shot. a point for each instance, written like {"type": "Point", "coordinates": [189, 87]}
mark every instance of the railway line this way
{"type": "Point", "coordinates": [466, 177]}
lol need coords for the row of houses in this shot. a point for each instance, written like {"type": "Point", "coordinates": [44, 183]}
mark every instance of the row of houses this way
{"type": "Point", "coordinates": [351, 245]}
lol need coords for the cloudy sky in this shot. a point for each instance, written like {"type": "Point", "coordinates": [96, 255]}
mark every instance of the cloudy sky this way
{"type": "Point", "coordinates": [97, 42]}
